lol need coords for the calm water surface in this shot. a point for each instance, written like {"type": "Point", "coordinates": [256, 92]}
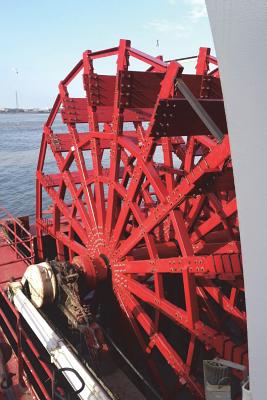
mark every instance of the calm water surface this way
{"type": "Point", "coordinates": [20, 138]}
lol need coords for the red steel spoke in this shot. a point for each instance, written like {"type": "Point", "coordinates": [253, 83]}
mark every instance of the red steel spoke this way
{"type": "Point", "coordinates": [115, 150]}
{"type": "Point", "coordinates": [202, 266]}
{"type": "Point", "coordinates": [196, 206]}
{"type": "Point", "coordinates": [181, 234]}
{"type": "Point", "coordinates": [229, 209]}
{"type": "Point", "coordinates": [204, 333]}
{"type": "Point", "coordinates": [189, 154]}
{"type": "Point", "coordinates": [212, 160]}
{"type": "Point", "coordinates": [168, 162]}
{"type": "Point", "coordinates": [65, 211]}
{"type": "Point", "coordinates": [214, 320]}
{"type": "Point", "coordinates": [223, 300]}
{"type": "Point", "coordinates": [146, 186]}
{"type": "Point", "coordinates": [190, 297]}
{"type": "Point", "coordinates": [100, 199]}
{"type": "Point", "coordinates": [164, 347]}
{"type": "Point", "coordinates": [190, 353]}
{"type": "Point", "coordinates": [78, 155]}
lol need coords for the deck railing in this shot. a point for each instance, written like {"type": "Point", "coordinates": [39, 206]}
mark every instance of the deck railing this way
{"type": "Point", "coordinates": [16, 236]}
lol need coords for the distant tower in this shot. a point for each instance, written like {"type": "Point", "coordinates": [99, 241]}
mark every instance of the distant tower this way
{"type": "Point", "coordinates": [17, 100]}
{"type": "Point", "coordinates": [17, 96]}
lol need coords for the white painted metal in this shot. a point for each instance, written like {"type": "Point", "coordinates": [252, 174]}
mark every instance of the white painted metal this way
{"type": "Point", "coordinates": [239, 29]}
{"type": "Point", "coordinates": [246, 393]}
{"type": "Point", "coordinates": [60, 354]}
{"type": "Point", "coordinates": [216, 380]}
{"type": "Point", "coordinates": [41, 282]}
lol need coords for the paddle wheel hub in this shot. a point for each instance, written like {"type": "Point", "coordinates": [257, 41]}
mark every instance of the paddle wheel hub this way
{"type": "Point", "coordinates": [137, 191]}
{"type": "Point", "coordinates": [95, 270]}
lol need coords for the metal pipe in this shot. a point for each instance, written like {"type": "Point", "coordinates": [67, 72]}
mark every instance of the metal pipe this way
{"type": "Point", "coordinates": [60, 354]}
{"type": "Point", "coordinates": [181, 59]}
{"type": "Point", "coordinates": [199, 110]}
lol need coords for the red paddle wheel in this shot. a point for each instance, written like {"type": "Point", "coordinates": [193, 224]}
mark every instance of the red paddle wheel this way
{"type": "Point", "coordinates": [143, 194]}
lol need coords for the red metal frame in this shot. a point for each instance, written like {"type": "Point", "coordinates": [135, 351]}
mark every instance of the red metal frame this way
{"type": "Point", "coordinates": [17, 252]}
{"type": "Point", "coordinates": [31, 370]}
{"type": "Point", "coordinates": [157, 198]}
{"type": "Point", "coordinates": [16, 247]}
{"type": "Point", "coordinates": [15, 235]}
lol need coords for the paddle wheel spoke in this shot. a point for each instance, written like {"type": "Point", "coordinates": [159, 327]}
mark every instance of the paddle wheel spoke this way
{"type": "Point", "coordinates": [163, 346]}
{"type": "Point", "coordinates": [147, 186]}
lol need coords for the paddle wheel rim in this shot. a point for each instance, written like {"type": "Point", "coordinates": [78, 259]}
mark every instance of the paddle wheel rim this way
{"type": "Point", "coordinates": [143, 220]}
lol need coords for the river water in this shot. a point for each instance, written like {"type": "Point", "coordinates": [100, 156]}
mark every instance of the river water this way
{"type": "Point", "coordinates": [20, 138]}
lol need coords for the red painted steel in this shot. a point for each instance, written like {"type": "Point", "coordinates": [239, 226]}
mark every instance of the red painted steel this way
{"type": "Point", "coordinates": [25, 366]}
{"type": "Point", "coordinates": [146, 185]}
{"type": "Point", "coordinates": [16, 247]}
{"type": "Point", "coordinates": [28, 367]}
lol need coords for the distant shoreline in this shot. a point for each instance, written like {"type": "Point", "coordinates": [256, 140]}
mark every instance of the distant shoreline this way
{"type": "Point", "coordinates": [23, 111]}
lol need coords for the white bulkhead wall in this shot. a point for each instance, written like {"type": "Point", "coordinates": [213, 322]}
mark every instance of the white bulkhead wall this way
{"type": "Point", "coordinates": [239, 29]}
